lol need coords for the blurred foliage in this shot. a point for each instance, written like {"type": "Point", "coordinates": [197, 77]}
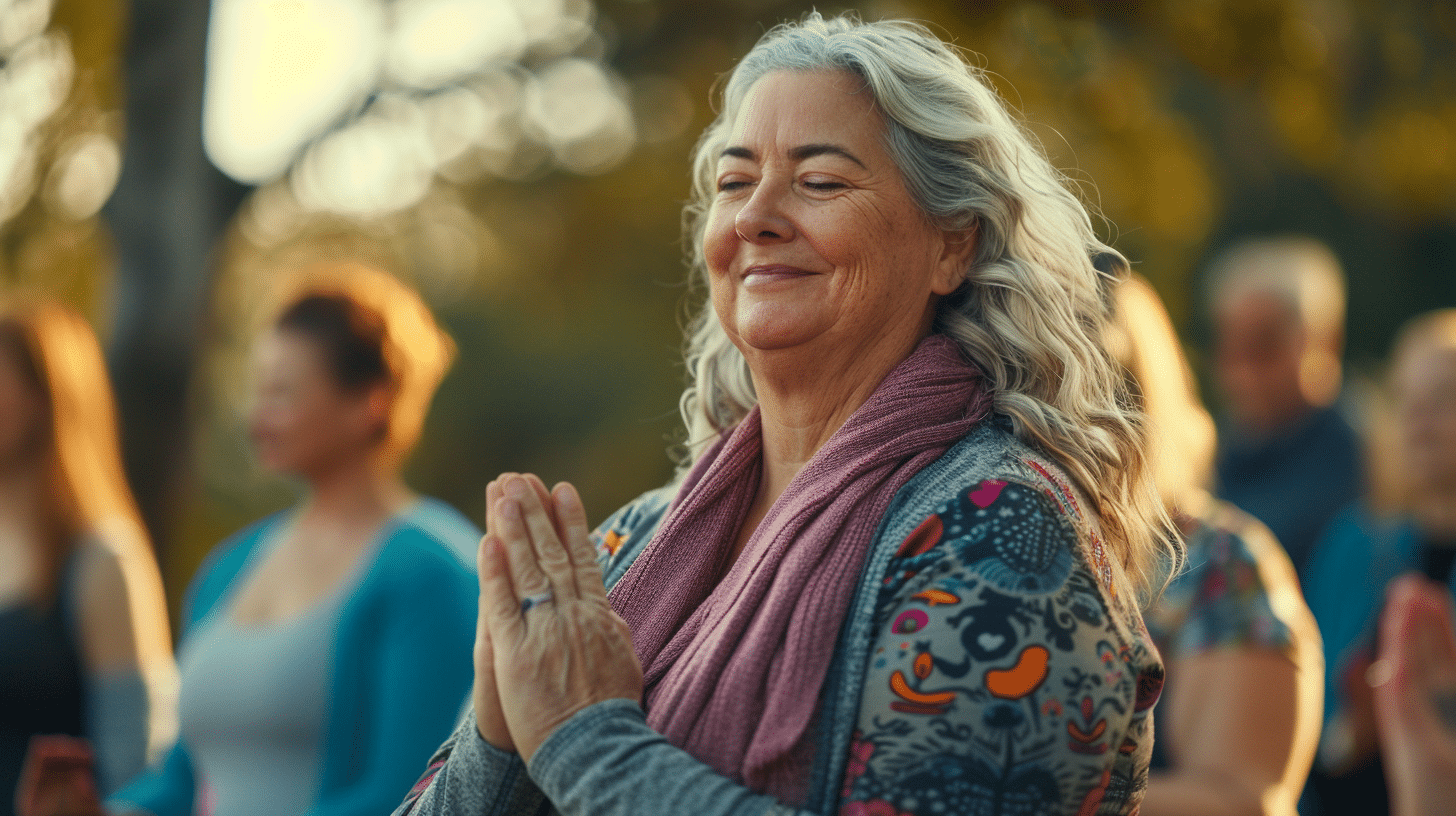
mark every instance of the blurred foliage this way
{"type": "Point", "coordinates": [51, 186]}
{"type": "Point", "coordinates": [1185, 124]}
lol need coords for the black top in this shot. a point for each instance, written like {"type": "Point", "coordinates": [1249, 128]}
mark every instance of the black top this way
{"type": "Point", "coordinates": [41, 688]}
{"type": "Point", "coordinates": [1437, 556]}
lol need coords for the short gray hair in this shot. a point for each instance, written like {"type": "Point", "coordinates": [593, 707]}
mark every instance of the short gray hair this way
{"type": "Point", "coordinates": [1299, 271]}
{"type": "Point", "coordinates": [1030, 310]}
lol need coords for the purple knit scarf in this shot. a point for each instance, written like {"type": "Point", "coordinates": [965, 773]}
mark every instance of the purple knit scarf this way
{"type": "Point", "coordinates": [735, 655]}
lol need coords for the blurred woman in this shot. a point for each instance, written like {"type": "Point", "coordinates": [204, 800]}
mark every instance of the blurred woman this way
{"type": "Point", "coordinates": [327, 647]}
{"type": "Point", "coordinates": [85, 647]}
{"type": "Point", "coordinates": [1415, 696]}
{"type": "Point", "coordinates": [1362, 552]}
{"type": "Point", "coordinates": [1239, 719]}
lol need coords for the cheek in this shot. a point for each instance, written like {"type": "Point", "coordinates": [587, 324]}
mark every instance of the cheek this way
{"type": "Point", "coordinates": [891, 252]}
{"type": "Point", "coordinates": [720, 239]}
{"type": "Point", "coordinates": [1446, 433]}
{"type": "Point", "coordinates": [295, 421]}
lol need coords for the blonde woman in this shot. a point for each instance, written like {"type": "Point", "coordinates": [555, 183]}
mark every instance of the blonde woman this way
{"type": "Point", "coordinates": [1240, 715]}
{"type": "Point", "coordinates": [901, 574]}
{"type": "Point", "coordinates": [85, 648]}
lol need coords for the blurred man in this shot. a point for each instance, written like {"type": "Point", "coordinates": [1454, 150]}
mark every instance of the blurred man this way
{"type": "Point", "coordinates": [1286, 455]}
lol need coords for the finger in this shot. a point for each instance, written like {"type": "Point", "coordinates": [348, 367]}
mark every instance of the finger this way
{"type": "Point", "coordinates": [572, 513]}
{"type": "Point", "coordinates": [550, 551]}
{"type": "Point", "coordinates": [526, 574]}
{"type": "Point", "coordinates": [500, 607]}
{"type": "Point", "coordinates": [1417, 630]}
{"type": "Point", "coordinates": [494, 492]}
{"type": "Point", "coordinates": [544, 496]}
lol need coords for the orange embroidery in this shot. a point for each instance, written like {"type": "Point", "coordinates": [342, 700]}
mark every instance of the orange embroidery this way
{"type": "Point", "coordinates": [933, 597]}
{"type": "Point", "coordinates": [1023, 678]}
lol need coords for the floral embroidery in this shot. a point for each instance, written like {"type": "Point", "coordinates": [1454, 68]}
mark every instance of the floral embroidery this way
{"type": "Point", "coordinates": [612, 541]}
{"type": "Point", "coordinates": [1004, 680]}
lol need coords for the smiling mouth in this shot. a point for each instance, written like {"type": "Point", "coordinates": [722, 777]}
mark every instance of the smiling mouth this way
{"type": "Point", "coordinates": [770, 274]}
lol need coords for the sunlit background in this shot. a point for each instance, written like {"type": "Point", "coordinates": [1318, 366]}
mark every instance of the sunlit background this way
{"type": "Point", "coordinates": [523, 162]}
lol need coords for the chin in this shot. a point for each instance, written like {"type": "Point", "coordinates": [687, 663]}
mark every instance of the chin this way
{"type": "Point", "coordinates": [274, 461]}
{"type": "Point", "coordinates": [774, 332]}
{"type": "Point", "coordinates": [273, 466]}
{"type": "Point", "coordinates": [761, 342]}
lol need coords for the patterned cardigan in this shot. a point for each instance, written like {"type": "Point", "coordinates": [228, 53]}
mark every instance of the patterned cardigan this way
{"type": "Point", "coordinates": [986, 666]}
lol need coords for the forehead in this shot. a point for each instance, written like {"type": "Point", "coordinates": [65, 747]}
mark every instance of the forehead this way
{"type": "Point", "coordinates": [1255, 310]}
{"type": "Point", "coordinates": [1426, 367]}
{"type": "Point", "coordinates": [785, 109]}
{"type": "Point", "coordinates": [279, 350]}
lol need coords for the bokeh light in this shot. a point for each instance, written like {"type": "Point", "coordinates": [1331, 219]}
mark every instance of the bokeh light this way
{"type": "Point", "coordinates": [84, 175]}
{"type": "Point", "coordinates": [35, 77]}
{"type": "Point", "coordinates": [279, 72]}
{"type": "Point", "coordinates": [363, 103]}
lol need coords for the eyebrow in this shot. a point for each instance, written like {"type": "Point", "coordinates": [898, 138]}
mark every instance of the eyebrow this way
{"type": "Point", "coordinates": [799, 153]}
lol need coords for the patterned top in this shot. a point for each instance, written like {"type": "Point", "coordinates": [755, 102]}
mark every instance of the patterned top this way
{"type": "Point", "coordinates": [991, 669]}
{"type": "Point", "coordinates": [997, 666]}
{"type": "Point", "coordinates": [1220, 599]}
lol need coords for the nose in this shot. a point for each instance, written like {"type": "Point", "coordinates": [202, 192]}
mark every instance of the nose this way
{"type": "Point", "coordinates": [761, 219]}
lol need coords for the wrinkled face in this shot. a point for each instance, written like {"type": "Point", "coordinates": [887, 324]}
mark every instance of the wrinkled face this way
{"type": "Point", "coordinates": [1425, 396]}
{"type": "Point", "coordinates": [302, 421]}
{"type": "Point", "coordinates": [1260, 345]}
{"type": "Point", "coordinates": [813, 240]}
{"type": "Point", "coordinates": [22, 411]}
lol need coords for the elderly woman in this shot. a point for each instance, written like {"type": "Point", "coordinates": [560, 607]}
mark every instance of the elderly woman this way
{"type": "Point", "coordinates": [901, 574]}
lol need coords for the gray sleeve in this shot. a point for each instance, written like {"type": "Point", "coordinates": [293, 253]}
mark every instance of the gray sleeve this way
{"type": "Point", "coordinates": [118, 711]}
{"type": "Point", "coordinates": [468, 776]}
{"type": "Point", "coordinates": [607, 761]}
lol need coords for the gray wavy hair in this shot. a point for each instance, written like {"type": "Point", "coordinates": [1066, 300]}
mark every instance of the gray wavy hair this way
{"type": "Point", "coordinates": [1030, 311]}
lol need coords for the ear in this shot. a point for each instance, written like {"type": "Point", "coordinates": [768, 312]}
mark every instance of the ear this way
{"type": "Point", "coordinates": [956, 249]}
{"type": "Point", "coordinates": [378, 402]}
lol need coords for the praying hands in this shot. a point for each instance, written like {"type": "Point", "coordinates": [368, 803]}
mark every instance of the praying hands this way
{"type": "Point", "coordinates": [547, 643]}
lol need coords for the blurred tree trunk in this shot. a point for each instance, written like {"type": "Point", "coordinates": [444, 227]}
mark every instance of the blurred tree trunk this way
{"type": "Point", "coordinates": [168, 210]}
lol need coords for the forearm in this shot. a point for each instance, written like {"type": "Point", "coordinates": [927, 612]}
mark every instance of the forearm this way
{"type": "Point", "coordinates": [475, 779]}
{"type": "Point", "coordinates": [1194, 794]}
{"type": "Point", "coordinates": [118, 714]}
{"type": "Point", "coordinates": [1235, 735]}
{"type": "Point", "coordinates": [606, 761]}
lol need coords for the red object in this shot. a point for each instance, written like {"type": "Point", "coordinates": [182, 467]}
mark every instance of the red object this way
{"type": "Point", "coordinates": [58, 779]}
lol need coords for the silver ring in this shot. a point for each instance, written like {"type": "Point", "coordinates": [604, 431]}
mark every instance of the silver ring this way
{"type": "Point", "coordinates": [532, 601]}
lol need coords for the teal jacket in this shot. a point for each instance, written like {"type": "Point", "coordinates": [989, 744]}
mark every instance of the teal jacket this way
{"type": "Point", "coordinates": [1358, 555]}
{"type": "Point", "coordinates": [401, 665]}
